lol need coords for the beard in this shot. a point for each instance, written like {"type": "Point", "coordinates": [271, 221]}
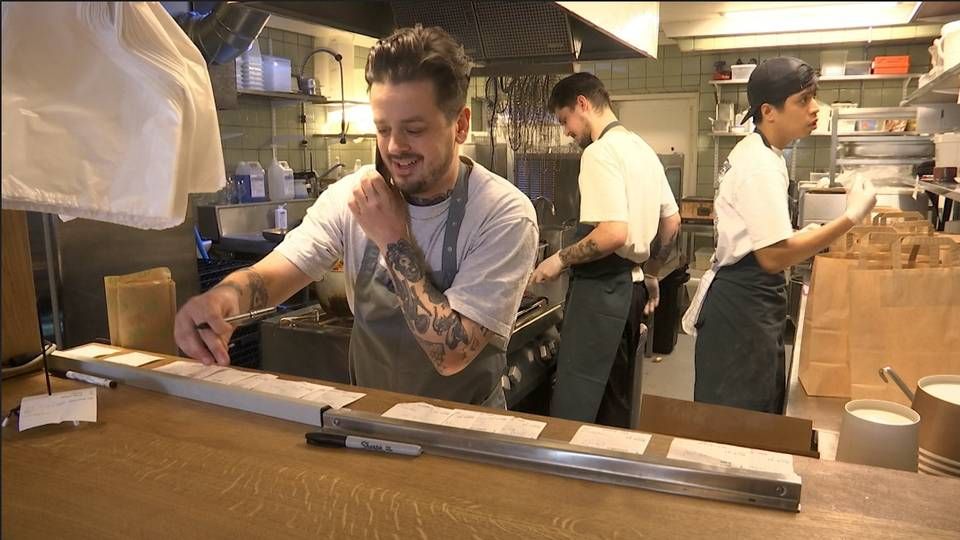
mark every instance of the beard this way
{"type": "Point", "coordinates": [583, 141]}
{"type": "Point", "coordinates": [425, 181]}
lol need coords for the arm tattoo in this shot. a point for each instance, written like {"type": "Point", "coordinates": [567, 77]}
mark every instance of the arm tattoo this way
{"type": "Point", "coordinates": [255, 289]}
{"type": "Point", "coordinates": [661, 248]}
{"type": "Point", "coordinates": [583, 251]}
{"type": "Point", "coordinates": [440, 331]}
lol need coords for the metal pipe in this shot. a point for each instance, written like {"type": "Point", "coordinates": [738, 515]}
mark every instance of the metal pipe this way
{"type": "Point", "coordinates": [53, 271]}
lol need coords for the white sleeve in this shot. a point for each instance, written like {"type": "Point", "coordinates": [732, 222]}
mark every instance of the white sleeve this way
{"type": "Point", "coordinates": [494, 272]}
{"type": "Point", "coordinates": [317, 243]}
{"type": "Point", "coordinates": [761, 200]}
{"type": "Point", "coordinates": [603, 193]}
{"type": "Point", "coordinates": [668, 205]}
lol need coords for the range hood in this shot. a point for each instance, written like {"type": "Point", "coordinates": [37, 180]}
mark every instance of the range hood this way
{"type": "Point", "coordinates": [503, 37]}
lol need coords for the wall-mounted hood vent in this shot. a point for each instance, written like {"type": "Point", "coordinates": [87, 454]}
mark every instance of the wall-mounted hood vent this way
{"type": "Point", "coordinates": [505, 37]}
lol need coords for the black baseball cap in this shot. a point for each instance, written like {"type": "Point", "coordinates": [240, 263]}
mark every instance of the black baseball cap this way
{"type": "Point", "coordinates": [776, 79]}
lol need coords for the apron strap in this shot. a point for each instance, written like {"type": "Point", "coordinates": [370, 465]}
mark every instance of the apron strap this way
{"type": "Point", "coordinates": [455, 214]}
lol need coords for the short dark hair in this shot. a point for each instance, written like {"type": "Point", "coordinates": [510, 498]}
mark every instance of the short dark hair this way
{"type": "Point", "coordinates": [565, 92]}
{"type": "Point", "coordinates": [418, 53]}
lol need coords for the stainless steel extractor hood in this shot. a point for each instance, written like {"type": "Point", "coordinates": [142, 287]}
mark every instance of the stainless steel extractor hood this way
{"type": "Point", "coordinates": [504, 37]}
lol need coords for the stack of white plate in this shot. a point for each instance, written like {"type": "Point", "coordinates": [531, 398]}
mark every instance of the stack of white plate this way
{"type": "Point", "coordinates": [936, 465]}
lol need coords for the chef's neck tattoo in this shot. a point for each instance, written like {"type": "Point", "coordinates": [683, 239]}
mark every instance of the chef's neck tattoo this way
{"type": "Point", "coordinates": [584, 251]}
{"type": "Point", "coordinates": [449, 340]}
{"type": "Point", "coordinates": [429, 201]}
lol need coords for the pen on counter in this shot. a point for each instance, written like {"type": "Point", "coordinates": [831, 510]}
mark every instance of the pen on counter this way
{"type": "Point", "coordinates": [250, 315]}
{"type": "Point", "coordinates": [362, 443]}
{"type": "Point", "coordinates": [82, 377]}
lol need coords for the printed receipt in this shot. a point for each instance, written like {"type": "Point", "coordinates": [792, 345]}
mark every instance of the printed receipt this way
{"type": "Point", "coordinates": [463, 419]}
{"type": "Point", "coordinates": [87, 352]}
{"type": "Point", "coordinates": [737, 457]}
{"type": "Point", "coordinates": [619, 440]}
{"type": "Point", "coordinates": [80, 405]}
{"type": "Point", "coordinates": [135, 359]}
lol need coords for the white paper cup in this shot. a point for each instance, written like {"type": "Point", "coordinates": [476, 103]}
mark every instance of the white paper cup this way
{"type": "Point", "coordinates": [879, 433]}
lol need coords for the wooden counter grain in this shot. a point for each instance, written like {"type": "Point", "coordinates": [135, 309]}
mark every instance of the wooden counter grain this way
{"type": "Point", "coordinates": [157, 466]}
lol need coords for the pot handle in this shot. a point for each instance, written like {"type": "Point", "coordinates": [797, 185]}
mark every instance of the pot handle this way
{"type": "Point", "coordinates": [887, 370]}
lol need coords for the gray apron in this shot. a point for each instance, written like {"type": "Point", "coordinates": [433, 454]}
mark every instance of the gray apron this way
{"type": "Point", "coordinates": [384, 352]}
{"type": "Point", "coordinates": [595, 315]}
{"type": "Point", "coordinates": [739, 354]}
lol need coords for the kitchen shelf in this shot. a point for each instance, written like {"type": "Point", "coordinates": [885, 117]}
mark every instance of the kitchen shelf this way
{"type": "Point", "coordinates": [337, 135]}
{"type": "Point", "coordinates": [943, 89]}
{"type": "Point", "coordinates": [297, 97]}
{"type": "Point", "coordinates": [949, 191]}
{"type": "Point", "coordinates": [881, 161]}
{"type": "Point", "coordinates": [875, 113]}
{"type": "Point", "coordinates": [745, 133]}
{"type": "Point", "coordinates": [884, 137]}
{"type": "Point", "coordinates": [837, 78]}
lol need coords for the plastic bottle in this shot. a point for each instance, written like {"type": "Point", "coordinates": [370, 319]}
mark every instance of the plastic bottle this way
{"type": "Point", "coordinates": [339, 172]}
{"type": "Point", "coordinates": [280, 180]}
{"type": "Point", "coordinates": [280, 216]}
{"type": "Point", "coordinates": [258, 182]}
{"type": "Point", "coordinates": [357, 164]}
{"type": "Point", "coordinates": [241, 178]}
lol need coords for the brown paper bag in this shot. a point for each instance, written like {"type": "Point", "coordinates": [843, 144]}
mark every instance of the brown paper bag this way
{"type": "Point", "coordinates": [905, 317]}
{"type": "Point", "coordinates": [140, 310]}
{"type": "Point", "coordinates": [824, 369]}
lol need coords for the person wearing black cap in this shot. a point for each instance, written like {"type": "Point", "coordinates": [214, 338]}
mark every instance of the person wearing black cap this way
{"type": "Point", "coordinates": [739, 310]}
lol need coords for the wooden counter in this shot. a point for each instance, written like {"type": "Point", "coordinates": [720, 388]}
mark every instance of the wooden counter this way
{"type": "Point", "coordinates": [157, 466]}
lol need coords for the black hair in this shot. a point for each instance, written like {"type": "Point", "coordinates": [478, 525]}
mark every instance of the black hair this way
{"type": "Point", "coordinates": [565, 92]}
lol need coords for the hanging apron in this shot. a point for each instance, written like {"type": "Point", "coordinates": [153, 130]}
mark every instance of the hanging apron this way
{"type": "Point", "coordinates": [739, 355]}
{"type": "Point", "coordinates": [384, 352]}
{"type": "Point", "coordinates": [596, 311]}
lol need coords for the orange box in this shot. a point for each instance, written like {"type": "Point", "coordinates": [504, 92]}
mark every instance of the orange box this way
{"type": "Point", "coordinates": [891, 65]}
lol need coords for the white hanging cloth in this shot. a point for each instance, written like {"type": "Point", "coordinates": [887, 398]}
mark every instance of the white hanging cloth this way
{"type": "Point", "coordinates": [107, 113]}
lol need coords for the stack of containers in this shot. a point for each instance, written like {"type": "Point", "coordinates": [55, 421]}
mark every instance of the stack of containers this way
{"type": "Point", "coordinates": [250, 69]}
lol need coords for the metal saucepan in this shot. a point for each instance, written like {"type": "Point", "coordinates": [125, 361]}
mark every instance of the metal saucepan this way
{"type": "Point", "coordinates": [937, 400]}
{"type": "Point", "coordinates": [332, 294]}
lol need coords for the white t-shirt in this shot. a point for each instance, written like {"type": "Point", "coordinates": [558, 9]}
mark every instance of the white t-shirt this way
{"type": "Point", "coordinates": [752, 202]}
{"type": "Point", "coordinates": [496, 250]}
{"type": "Point", "coordinates": [622, 179]}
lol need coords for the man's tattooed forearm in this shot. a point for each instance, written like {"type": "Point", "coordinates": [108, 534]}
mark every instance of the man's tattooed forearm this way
{"type": "Point", "coordinates": [405, 260]}
{"type": "Point", "coordinates": [255, 289]}
{"type": "Point", "coordinates": [661, 249]}
{"type": "Point", "coordinates": [583, 251]}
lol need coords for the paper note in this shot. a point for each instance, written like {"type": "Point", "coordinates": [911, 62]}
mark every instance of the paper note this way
{"type": "Point", "coordinates": [333, 397]}
{"type": "Point", "coordinates": [78, 405]}
{"type": "Point", "coordinates": [250, 382]}
{"type": "Point", "coordinates": [618, 440]}
{"type": "Point", "coordinates": [135, 359]}
{"type": "Point", "coordinates": [229, 376]}
{"type": "Point", "coordinates": [292, 389]}
{"type": "Point", "coordinates": [88, 352]}
{"type": "Point", "coordinates": [489, 423]}
{"type": "Point", "coordinates": [206, 371]}
{"type": "Point", "coordinates": [181, 367]}
{"type": "Point", "coordinates": [724, 455]}
{"type": "Point", "coordinates": [461, 418]}
{"type": "Point", "coordinates": [521, 427]}
{"type": "Point", "coordinates": [419, 412]}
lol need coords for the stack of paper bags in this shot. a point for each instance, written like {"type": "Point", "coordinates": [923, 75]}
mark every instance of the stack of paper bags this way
{"type": "Point", "coordinates": [141, 308]}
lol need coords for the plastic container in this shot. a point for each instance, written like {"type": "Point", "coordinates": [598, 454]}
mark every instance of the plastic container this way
{"type": "Point", "coordinates": [300, 188]}
{"type": "Point", "coordinates": [860, 67]}
{"type": "Point", "coordinates": [891, 65]}
{"type": "Point", "coordinates": [833, 63]}
{"type": "Point", "coordinates": [742, 72]}
{"type": "Point", "coordinates": [280, 179]}
{"type": "Point", "coordinates": [276, 74]}
{"type": "Point", "coordinates": [250, 69]}
{"type": "Point", "coordinates": [250, 184]}
{"type": "Point", "coordinates": [280, 217]}
{"type": "Point", "coordinates": [950, 44]}
{"type": "Point", "coordinates": [947, 150]}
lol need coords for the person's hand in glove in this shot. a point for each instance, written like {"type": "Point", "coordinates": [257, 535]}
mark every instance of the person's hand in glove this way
{"type": "Point", "coordinates": [861, 198]}
{"type": "Point", "coordinates": [549, 270]}
{"type": "Point", "coordinates": [653, 294]}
